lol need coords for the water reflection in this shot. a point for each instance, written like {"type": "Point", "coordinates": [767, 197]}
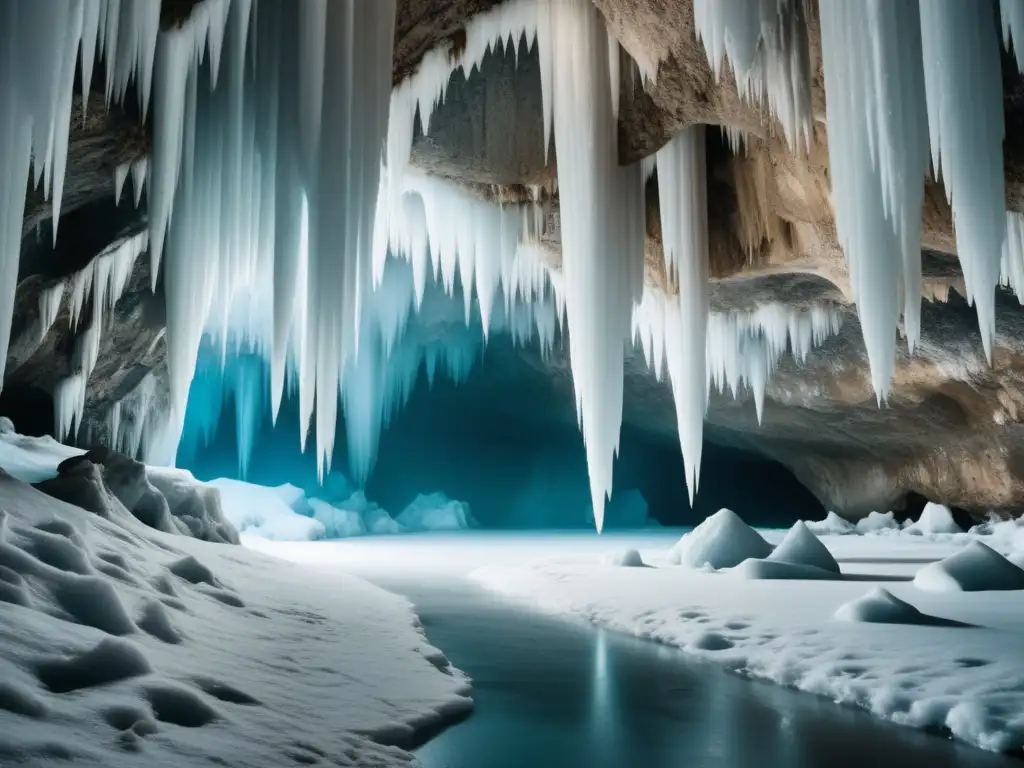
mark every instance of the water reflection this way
{"type": "Point", "coordinates": [558, 694]}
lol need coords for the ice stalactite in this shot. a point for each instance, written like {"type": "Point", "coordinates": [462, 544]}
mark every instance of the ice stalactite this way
{"type": "Point", "coordinates": [100, 285]}
{"type": "Point", "coordinates": [743, 348]}
{"type": "Point", "coordinates": [964, 88]}
{"type": "Point", "coordinates": [682, 189]}
{"type": "Point", "coordinates": [602, 217]}
{"type": "Point", "coordinates": [766, 45]}
{"type": "Point", "coordinates": [1012, 15]}
{"type": "Point", "coordinates": [1012, 264]}
{"type": "Point", "coordinates": [50, 299]}
{"type": "Point", "coordinates": [878, 152]}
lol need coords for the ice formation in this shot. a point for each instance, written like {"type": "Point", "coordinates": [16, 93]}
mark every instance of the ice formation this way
{"type": "Point", "coordinates": [878, 152]}
{"type": "Point", "coordinates": [963, 85]}
{"type": "Point", "coordinates": [765, 43]}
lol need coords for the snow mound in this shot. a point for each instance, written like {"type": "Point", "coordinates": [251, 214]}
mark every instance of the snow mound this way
{"type": "Point", "coordinates": [262, 511]}
{"type": "Point", "coordinates": [934, 519]}
{"type": "Point", "coordinates": [117, 639]}
{"type": "Point", "coordinates": [976, 568]}
{"type": "Point", "coordinates": [721, 541]}
{"type": "Point", "coordinates": [436, 512]}
{"type": "Point", "coordinates": [194, 504]}
{"type": "Point", "coordinates": [1017, 558]}
{"type": "Point", "coordinates": [832, 525]}
{"type": "Point", "coordinates": [776, 570]}
{"type": "Point", "coordinates": [801, 547]}
{"type": "Point", "coordinates": [878, 522]}
{"type": "Point", "coordinates": [627, 558]}
{"type": "Point", "coordinates": [880, 606]}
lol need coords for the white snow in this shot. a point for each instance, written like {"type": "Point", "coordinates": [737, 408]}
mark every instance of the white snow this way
{"type": "Point", "coordinates": [878, 522]}
{"type": "Point", "coordinates": [721, 541]}
{"type": "Point", "coordinates": [801, 547]}
{"type": "Point", "coordinates": [627, 558]}
{"type": "Point", "coordinates": [32, 459]}
{"type": "Point", "coordinates": [117, 640]}
{"type": "Point", "coordinates": [261, 511]}
{"type": "Point", "coordinates": [976, 568]}
{"type": "Point", "coordinates": [880, 606]}
{"type": "Point", "coordinates": [924, 672]}
{"type": "Point", "coordinates": [436, 512]}
{"type": "Point", "coordinates": [833, 525]}
{"type": "Point", "coordinates": [934, 519]}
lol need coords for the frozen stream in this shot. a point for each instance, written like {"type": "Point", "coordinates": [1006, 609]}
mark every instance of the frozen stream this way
{"type": "Point", "coordinates": [552, 693]}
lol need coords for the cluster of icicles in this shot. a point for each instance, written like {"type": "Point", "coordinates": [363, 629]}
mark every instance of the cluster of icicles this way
{"type": "Point", "coordinates": [279, 184]}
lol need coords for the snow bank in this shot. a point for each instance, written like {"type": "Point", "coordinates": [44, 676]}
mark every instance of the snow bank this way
{"type": "Point", "coordinates": [436, 512]}
{"type": "Point", "coordinates": [627, 558]}
{"type": "Point", "coordinates": [801, 547]}
{"type": "Point", "coordinates": [116, 639]}
{"type": "Point", "coordinates": [934, 519]}
{"type": "Point", "coordinates": [342, 521]}
{"type": "Point", "coordinates": [32, 459]}
{"type": "Point", "coordinates": [721, 541]}
{"type": "Point", "coordinates": [879, 606]}
{"type": "Point", "coordinates": [262, 511]}
{"type": "Point", "coordinates": [977, 568]}
{"type": "Point", "coordinates": [926, 673]}
{"type": "Point", "coordinates": [832, 525]}
{"type": "Point", "coordinates": [878, 522]}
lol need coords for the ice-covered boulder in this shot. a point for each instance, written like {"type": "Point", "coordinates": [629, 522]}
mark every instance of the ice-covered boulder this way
{"type": "Point", "coordinates": [721, 541]}
{"type": "Point", "coordinates": [801, 547]}
{"type": "Point", "coordinates": [934, 519]}
{"type": "Point", "coordinates": [436, 512]}
{"type": "Point", "coordinates": [127, 479]}
{"type": "Point", "coordinates": [339, 522]}
{"type": "Point", "coordinates": [878, 522]}
{"type": "Point", "coordinates": [627, 558]}
{"type": "Point", "coordinates": [194, 504]}
{"type": "Point", "coordinates": [976, 568]}
{"type": "Point", "coordinates": [262, 511]}
{"type": "Point", "coordinates": [832, 525]}
{"type": "Point", "coordinates": [295, 498]}
{"type": "Point", "coordinates": [879, 606]}
{"type": "Point", "coordinates": [379, 522]}
{"type": "Point", "coordinates": [80, 482]}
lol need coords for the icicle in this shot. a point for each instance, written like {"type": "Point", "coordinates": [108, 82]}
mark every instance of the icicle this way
{"type": "Point", "coordinates": [1012, 15]}
{"type": "Point", "coordinates": [682, 190]}
{"type": "Point", "coordinates": [139, 170]}
{"type": "Point", "coordinates": [766, 44]}
{"type": "Point", "coordinates": [49, 305]}
{"type": "Point", "coordinates": [963, 84]}
{"type": "Point", "coordinates": [68, 405]}
{"type": "Point", "coordinates": [878, 131]}
{"type": "Point", "coordinates": [120, 177]}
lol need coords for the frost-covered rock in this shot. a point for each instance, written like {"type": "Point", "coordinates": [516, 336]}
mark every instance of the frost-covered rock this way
{"type": "Point", "coordinates": [801, 547]}
{"type": "Point", "coordinates": [627, 558]}
{"type": "Point", "coordinates": [721, 541]}
{"type": "Point", "coordinates": [935, 518]}
{"type": "Point", "coordinates": [879, 606]}
{"type": "Point", "coordinates": [262, 511]}
{"type": "Point", "coordinates": [436, 512]}
{"type": "Point", "coordinates": [878, 522]}
{"type": "Point", "coordinates": [832, 525]}
{"type": "Point", "coordinates": [194, 504]}
{"type": "Point", "coordinates": [976, 568]}
{"type": "Point", "coordinates": [128, 480]}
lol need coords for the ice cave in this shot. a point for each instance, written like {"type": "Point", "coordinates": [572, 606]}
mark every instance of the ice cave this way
{"type": "Point", "coordinates": [507, 383]}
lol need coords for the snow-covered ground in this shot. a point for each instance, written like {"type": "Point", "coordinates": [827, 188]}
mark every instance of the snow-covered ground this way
{"type": "Point", "coordinates": [955, 664]}
{"type": "Point", "coordinates": [121, 645]}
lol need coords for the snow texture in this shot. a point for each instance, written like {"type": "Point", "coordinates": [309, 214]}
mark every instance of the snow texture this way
{"type": "Point", "coordinates": [977, 568]}
{"type": "Point", "coordinates": [951, 664]}
{"type": "Point", "coordinates": [119, 643]}
{"type": "Point", "coordinates": [935, 518]}
{"type": "Point", "coordinates": [721, 541]}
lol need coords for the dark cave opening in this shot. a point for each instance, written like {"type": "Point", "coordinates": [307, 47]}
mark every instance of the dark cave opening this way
{"type": "Point", "coordinates": [29, 407]}
{"type": "Point", "coordinates": [506, 442]}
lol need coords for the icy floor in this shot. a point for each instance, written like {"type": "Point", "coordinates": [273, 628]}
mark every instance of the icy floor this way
{"type": "Point", "coordinates": [967, 681]}
{"type": "Point", "coordinates": [123, 646]}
